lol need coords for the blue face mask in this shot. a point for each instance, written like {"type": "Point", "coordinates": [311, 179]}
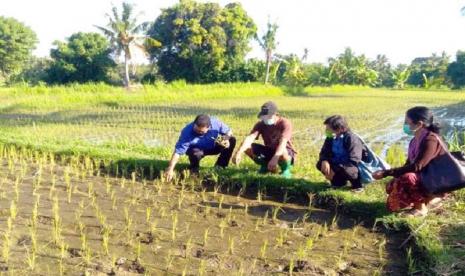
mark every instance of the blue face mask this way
{"type": "Point", "coordinates": [268, 122]}
{"type": "Point", "coordinates": [408, 130]}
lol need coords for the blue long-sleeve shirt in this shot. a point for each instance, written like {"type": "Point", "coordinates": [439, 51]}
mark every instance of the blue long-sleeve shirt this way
{"type": "Point", "coordinates": [189, 138]}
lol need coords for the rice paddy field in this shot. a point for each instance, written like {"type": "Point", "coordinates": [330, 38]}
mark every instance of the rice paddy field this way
{"type": "Point", "coordinates": [80, 191]}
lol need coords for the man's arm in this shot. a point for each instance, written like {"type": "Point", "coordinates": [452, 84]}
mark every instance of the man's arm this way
{"type": "Point", "coordinates": [246, 144]}
{"type": "Point", "coordinates": [181, 148]}
{"type": "Point", "coordinates": [281, 147]}
{"type": "Point", "coordinates": [280, 150]}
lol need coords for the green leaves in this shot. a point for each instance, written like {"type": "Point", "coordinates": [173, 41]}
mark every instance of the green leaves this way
{"type": "Point", "coordinates": [85, 57]}
{"type": "Point", "coordinates": [16, 44]}
{"type": "Point", "coordinates": [200, 41]}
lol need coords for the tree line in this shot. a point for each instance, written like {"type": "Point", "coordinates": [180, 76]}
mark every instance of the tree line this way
{"type": "Point", "coordinates": [202, 42]}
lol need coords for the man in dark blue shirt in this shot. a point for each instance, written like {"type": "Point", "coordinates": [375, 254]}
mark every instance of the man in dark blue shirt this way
{"type": "Point", "coordinates": [205, 136]}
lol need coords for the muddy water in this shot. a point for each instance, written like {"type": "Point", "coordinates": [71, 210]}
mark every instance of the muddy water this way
{"type": "Point", "coordinates": [159, 229]}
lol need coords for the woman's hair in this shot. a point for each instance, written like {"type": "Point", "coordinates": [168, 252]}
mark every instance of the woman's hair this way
{"type": "Point", "coordinates": [337, 122]}
{"type": "Point", "coordinates": [423, 114]}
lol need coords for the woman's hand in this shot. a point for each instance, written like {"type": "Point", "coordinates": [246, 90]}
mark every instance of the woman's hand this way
{"type": "Point", "coordinates": [378, 175]}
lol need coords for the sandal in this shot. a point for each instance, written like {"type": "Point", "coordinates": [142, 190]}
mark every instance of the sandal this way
{"type": "Point", "coordinates": [415, 213]}
{"type": "Point", "coordinates": [435, 205]}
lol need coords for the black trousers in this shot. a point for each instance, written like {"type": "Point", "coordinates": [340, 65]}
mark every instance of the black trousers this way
{"type": "Point", "coordinates": [342, 175]}
{"type": "Point", "coordinates": [266, 153]}
{"type": "Point", "coordinates": [196, 154]}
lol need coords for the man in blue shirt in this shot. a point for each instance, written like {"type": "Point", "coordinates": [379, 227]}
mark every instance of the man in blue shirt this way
{"type": "Point", "coordinates": [205, 136]}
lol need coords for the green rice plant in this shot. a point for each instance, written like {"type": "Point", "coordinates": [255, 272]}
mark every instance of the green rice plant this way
{"type": "Point", "coordinates": [202, 268]}
{"type": "Point", "coordinates": [381, 249]}
{"type": "Point", "coordinates": [309, 243]}
{"type": "Point", "coordinates": [205, 236]}
{"type": "Point", "coordinates": [113, 200]}
{"type": "Point", "coordinates": [411, 264]}
{"type": "Point", "coordinates": [106, 232]}
{"type": "Point", "coordinates": [334, 221]}
{"type": "Point", "coordinates": [180, 199]}
{"type": "Point", "coordinates": [31, 257]}
{"type": "Point", "coordinates": [223, 224]}
{"type": "Point", "coordinates": [245, 237]}
{"type": "Point", "coordinates": [311, 197]}
{"type": "Point", "coordinates": [138, 250]}
{"type": "Point", "coordinates": [69, 192]}
{"type": "Point", "coordinates": [230, 214]}
{"type": "Point", "coordinates": [231, 245]}
{"type": "Point", "coordinates": [188, 247]}
{"type": "Point", "coordinates": [6, 246]}
{"type": "Point", "coordinates": [275, 213]}
{"type": "Point", "coordinates": [85, 249]}
{"type": "Point", "coordinates": [220, 202]}
{"type": "Point", "coordinates": [90, 189]}
{"type": "Point", "coordinates": [285, 197]}
{"type": "Point", "coordinates": [301, 252]}
{"type": "Point", "coordinates": [281, 238]}
{"type": "Point", "coordinates": [259, 196]}
{"type": "Point", "coordinates": [242, 189]}
{"type": "Point", "coordinates": [17, 183]}
{"type": "Point", "coordinates": [291, 266]}
{"type": "Point", "coordinates": [169, 261]}
{"type": "Point", "coordinates": [148, 214]}
{"type": "Point", "coordinates": [263, 250]}
{"type": "Point", "coordinates": [265, 218]}
{"type": "Point", "coordinates": [13, 210]}
{"type": "Point", "coordinates": [257, 225]}
{"type": "Point", "coordinates": [174, 226]}
{"type": "Point", "coordinates": [57, 227]}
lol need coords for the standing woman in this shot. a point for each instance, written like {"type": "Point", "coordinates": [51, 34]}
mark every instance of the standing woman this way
{"type": "Point", "coordinates": [405, 190]}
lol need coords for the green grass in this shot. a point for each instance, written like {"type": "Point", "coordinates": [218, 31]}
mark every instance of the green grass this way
{"type": "Point", "coordinates": [126, 130]}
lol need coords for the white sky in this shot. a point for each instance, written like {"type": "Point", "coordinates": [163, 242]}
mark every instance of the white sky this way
{"type": "Point", "coordinates": [400, 29]}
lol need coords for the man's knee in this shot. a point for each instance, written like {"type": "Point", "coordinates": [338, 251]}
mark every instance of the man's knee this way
{"type": "Point", "coordinates": [232, 142]}
{"type": "Point", "coordinates": [195, 153]}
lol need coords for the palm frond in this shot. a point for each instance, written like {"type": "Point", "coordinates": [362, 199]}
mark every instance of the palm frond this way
{"type": "Point", "coordinates": [127, 11]}
{"type": "Point", "coordinates": [105, 31]}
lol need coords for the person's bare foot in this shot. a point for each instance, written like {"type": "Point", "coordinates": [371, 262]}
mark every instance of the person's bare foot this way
{"type": "Point", "coordinates": [435, 203]}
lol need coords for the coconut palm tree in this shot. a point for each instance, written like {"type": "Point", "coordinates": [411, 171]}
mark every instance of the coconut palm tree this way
{"type": "Point", "coordinates": [268, 44]}
{"type": "Point", "coordinates": [126, 36]}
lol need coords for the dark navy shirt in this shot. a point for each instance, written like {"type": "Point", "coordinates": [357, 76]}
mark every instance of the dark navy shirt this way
{"type": "Point", "coordinates": [189, 138]}
{"type": "Point", "coordinates": [340, 154]}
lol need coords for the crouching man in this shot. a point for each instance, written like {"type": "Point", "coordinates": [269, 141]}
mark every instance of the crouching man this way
{"type": "Point", "coordinates": [277, 150]}
{"type": "Point", "coordinates": [204, 136]}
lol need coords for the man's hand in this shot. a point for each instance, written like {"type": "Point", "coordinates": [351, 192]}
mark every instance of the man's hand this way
{"type": "Point", "coordinates": [237, 158]}
{"type": "Point", "coordinates": [325, 168]}
{"type": "Point", "coordinates": [169, 173]}
{"type": "Point", "coordinates": [378, 175]}
{"type": "Point", "coordinates": [225, 144]}
{"type": "Point", "coordinates": [273, 163]}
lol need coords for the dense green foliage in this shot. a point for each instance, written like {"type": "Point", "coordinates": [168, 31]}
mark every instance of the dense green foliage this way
{"type": "Point", "coordinates": [201, 42]}
{"type": "Point", "coordinates": [85, 57]}
{"type": "Point", "coordinates": [16, 44]}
